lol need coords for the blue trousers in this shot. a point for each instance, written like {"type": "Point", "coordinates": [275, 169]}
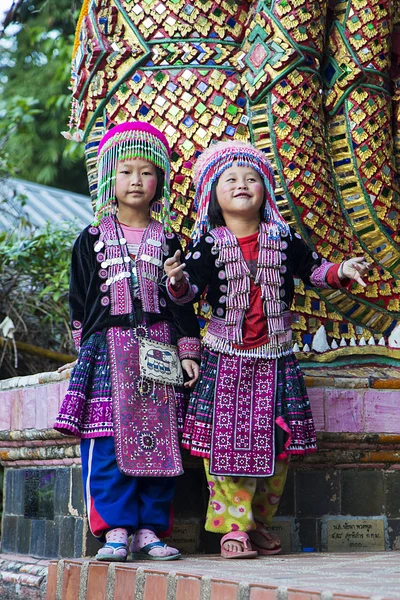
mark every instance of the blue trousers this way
{"type": "Point", "coordinates": [114, 499]}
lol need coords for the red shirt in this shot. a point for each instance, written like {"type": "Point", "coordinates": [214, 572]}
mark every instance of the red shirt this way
{"type": "Point", "coordinates": [254, 326]}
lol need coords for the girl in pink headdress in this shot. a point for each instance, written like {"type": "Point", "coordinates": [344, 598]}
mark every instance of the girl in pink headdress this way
{"type": "Point", "coordinates": [125, 399]}
{"type": "Point", "coordinates": [249, 410]}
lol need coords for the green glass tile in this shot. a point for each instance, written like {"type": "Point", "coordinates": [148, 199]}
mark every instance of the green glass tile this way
{"type": "Point", "coordinates": [124, 88]}
{"type": "Point", "coordinates": [300, 300]}
{"type": "Point", "coordinates": [218, 100]}
{"type": "Point", "coordinates": [386, 170]}
{"type": "Point", "coordinates": [201, 108]}
{"type": "Point", "coordinates": [159, 77]}
{"type": "Point", "coordinates": [174, 110]}
{"type": "Point", "coordinates": [187, 223]}
{"type": "Point", "coordinates": [286, 147]}
{"type": "Point", "coordinates": [232, 109]}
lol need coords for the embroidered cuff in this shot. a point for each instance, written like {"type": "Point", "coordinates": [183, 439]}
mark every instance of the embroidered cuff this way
{"type": "Point", "coordinates": [182, 294]}
{"type": "Point", "coordinates": [77, 334]}
{"type": "Point", "coordinates": [189, 347]}
{"type": "Point", "coordinates": [318, 277]}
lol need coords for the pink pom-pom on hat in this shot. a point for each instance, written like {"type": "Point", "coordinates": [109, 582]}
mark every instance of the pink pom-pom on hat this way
{"type": "Point", "coordinates": [134, 126]}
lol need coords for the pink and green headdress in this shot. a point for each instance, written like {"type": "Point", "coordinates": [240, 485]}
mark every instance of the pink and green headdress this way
{"type": "Point", "coordinates": [210, 166]}
{"type": "Point", "coordinates": [127, 141]}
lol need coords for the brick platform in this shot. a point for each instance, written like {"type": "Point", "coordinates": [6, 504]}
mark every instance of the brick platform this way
{"type": "Point", "coordinates": [292, 577]}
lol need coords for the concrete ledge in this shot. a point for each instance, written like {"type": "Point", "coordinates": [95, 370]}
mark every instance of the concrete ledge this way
{"type": "Point", "coordinates": [304, 577]}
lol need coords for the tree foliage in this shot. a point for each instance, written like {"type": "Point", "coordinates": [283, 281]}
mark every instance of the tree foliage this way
{"type": "Point", "coordinates": [34, 274]}
{"type": "Point", "coordinates": [35, 62]}
{"type": "Point", "coordinates": [34, 108]}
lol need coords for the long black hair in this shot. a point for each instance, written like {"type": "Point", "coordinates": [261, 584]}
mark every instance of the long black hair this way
{"type": "Point", "coordinates": [160, 185]}
{"type": "Point", "coordinates": [215, 215]}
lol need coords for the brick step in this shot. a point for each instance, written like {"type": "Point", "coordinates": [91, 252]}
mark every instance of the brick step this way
{"type": "Point", "coordinates": [288, 577]}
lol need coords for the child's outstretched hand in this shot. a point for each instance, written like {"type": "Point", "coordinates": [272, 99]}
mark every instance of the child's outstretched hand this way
{"type": "Point", "coordinates": [67, 366]}
{"type": "Point", "coordinates": [192, 369]}
{"type": "Point", "coordinates": [174, 268]}
{"type": "Point", "coordinates": [355, 268]}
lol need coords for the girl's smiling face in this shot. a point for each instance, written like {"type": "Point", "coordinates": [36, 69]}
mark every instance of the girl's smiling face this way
{"type": "Point", "coordinates": [136, 184]}
{"type": "Point", "coordinates": [240, 191]}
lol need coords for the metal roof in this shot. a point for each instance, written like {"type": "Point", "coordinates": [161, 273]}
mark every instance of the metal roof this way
{"type": "Point", "coordinates": [42, 204]}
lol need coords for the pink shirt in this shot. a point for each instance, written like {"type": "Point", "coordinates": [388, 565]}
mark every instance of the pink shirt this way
{"type": "Point", "coordinates": [133, 238]}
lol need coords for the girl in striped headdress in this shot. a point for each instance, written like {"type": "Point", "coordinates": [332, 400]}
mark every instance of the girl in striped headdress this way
{"type": "Point", "coordinates": [249, 410]}
{"type": "Point", "coordinates": [126, 394]}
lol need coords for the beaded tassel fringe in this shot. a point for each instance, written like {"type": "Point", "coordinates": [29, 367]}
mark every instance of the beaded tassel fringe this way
{"type": "Point", "coordinates": [238, 277]}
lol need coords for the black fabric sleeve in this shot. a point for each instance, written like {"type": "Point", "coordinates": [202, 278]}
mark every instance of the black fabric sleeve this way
{"type": "Point", "coordinates": [303, 259]}
{"type": "Point", "coordinates": [82, 266]}
{"type": "Point", "coordinates": [200, 265]}
{"type": "Point", "coordinates": [184, 318]}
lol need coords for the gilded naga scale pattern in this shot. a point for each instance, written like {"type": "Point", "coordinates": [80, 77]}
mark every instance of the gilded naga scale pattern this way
{"type": "Point", "coordinates": [314, 84]}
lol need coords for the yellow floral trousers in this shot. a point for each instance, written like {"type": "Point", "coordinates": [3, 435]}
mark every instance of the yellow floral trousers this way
{"type": "Point", "coordinates": [237, 502]}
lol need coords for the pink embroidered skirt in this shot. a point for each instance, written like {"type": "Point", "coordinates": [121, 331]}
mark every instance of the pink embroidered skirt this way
{"type": "Point", "coordinates": [248, 412]}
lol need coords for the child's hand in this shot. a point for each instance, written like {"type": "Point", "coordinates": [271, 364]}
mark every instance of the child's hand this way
{"type": "Point", "coordinates": [174, 268]}
{"type": "Point", "coordinates": [67, 366]}
{"type": "Point", "coordinates": [354, 268]}
{"type": "Point", "coordinates": [192, 369]}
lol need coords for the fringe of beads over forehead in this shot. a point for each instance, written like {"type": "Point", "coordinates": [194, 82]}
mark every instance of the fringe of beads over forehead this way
{"type": "Point", "coordinates": [210, 166]}
{"type": "Point", "coordinates": [126, 142]}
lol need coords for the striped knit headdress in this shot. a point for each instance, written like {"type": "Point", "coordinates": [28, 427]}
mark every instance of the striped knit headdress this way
{"type": "Point", "coordinates": [213, 162]}
{"type": "Point", "coordinates": [125, 142]}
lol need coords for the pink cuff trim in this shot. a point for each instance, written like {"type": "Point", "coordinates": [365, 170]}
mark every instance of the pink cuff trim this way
{"type": "Point", "coordinates": [189, 347]}
{"type": "Point", "coordinates": [318, 276]}
{"type": "Point", "coordinates": [77, 335]}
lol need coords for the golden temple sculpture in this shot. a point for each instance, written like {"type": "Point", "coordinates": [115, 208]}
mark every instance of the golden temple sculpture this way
{"type": "Point", "coordinates": [314, 84]}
